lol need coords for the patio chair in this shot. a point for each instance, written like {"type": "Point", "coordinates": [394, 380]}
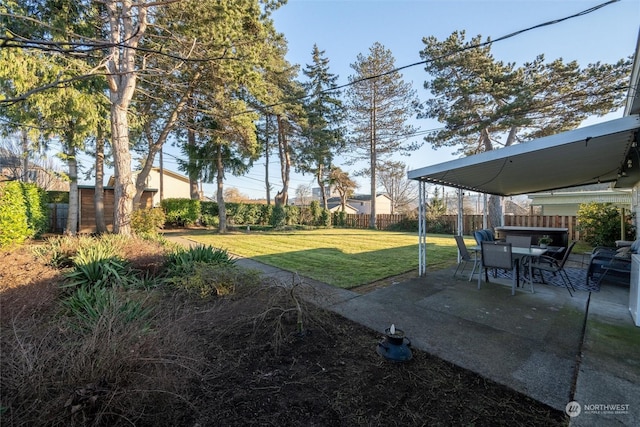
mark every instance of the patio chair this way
{"type": "Point", "coordinates": [614, 264]}
{"type": "Point", "coordinates": [519, 241]}
{"type": "Point", "coordinates": [465, 257]}
{"type": "Point", "coordinates": [552, 265]}
{"type": "Point", "coordinates": [484, 235]}
{"type": "Point", "coordinates": [497, 255]}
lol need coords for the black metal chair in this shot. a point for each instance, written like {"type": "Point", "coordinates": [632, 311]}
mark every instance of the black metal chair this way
{"type": "Point", "coordinates": [612, 264]}
{"type": "Point", "coordinates": [552, 265]}
{"type": "Point", "coordinates": [519, 241]}
{"type": "Point", "coordinates": [497, 255]}
{"type": "Point", "coordinates": [465, 257]}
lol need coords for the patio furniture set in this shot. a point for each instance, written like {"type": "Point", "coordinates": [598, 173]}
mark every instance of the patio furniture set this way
{"type": "Point", "coordinates": [516, 254]}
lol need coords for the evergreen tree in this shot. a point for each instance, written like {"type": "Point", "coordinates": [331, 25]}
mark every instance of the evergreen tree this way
{"type": "Point", "coordinates": [485, 104]}
{"type": "Point", "coordinates": [322, 134]}
{"type": "Point", "coordinates": [380, 103]}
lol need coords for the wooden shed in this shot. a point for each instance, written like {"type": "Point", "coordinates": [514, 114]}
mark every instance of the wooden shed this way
{"type": "Point", "coordinates": [87, 214]}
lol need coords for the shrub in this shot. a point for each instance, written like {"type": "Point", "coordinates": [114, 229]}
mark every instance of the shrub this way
{"type": "Point", "coordinates": [97, 265]}
{"type": "Point", "coordinates": [147, 221]}
{"type": "Point", "coordinates": [600, 222]}
{"type": "Point", "coordinates": [325, 218]}
{"type": "Point", "coordinates": [340, 218]}
{"type": "Point", "coordinates": [183, 260]}
{"type": "Point", "coordinates": [90, 305]}
{"type": "Point", "coordinates": [23, 212]}
{"type": "Point", "coordinates": [208, 208]}
{"type": "Point", "coordinates": [265, 214]}
{"type": "Point", "coordinates": [292, 215]}
{"type": "Point", "coordinates": [209, 220]}
{"type": "Point", "coordinates": [278, 217]}
{"type": "Point", "coordinates": [181, 212]}
{"type": "Point", "coordinates": [37, 209]}
{"type": "Point", "coordinates": [314, 209]}
{"type": "Point", "coordinates": [59, 251]}
{"type": "Point", "coordinates": [14, 227]}
{"type": "Point", "coordinates": [210, 280]}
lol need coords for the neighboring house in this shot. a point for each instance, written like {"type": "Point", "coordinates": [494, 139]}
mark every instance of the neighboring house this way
{"type": "Point", "coordinates": [48, 179]}
{"type": "Point", "coordinates": [334, 204]}
{"type": "Point", "coordinates": [566, 202]}
{"type": "Point", "coordinates": [172, 185]}
{"type": "Point", "coordinates": [513, 208]}
{"type": "Point", "coordinates": [329, 192]}
{"type": "Point", "coordinates": [363, 204]}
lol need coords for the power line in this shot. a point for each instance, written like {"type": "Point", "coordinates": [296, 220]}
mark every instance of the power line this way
{"type": "Point", "coordinates": [474, 46]}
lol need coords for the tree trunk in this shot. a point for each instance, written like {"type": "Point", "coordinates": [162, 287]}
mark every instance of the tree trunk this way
{"type": "Point", "coordinates": [323, 191]}
{"type": "Point", "coordinates": [372, 214]}
{"type": "Point", "coordinates": [127, 25]}
{"type": "Point", "coordinates": [266, 159]}
{"type": "Point", "coordinates": [25, 156]}
{"type": "Point", "coordinates": [282, 197]}
{"type": "Point", "coordinates": [193, 180]}
{"type": "Point", "coordinates": [124, 189]}
{"type": "Point", "coordinates": [98, 195]}
{"type": "Point", "coordinates": [72, 218]}
{"type": "Point", "coordinates": [494, 211]}
{"type": "Point", "coordinates": [222, 209]}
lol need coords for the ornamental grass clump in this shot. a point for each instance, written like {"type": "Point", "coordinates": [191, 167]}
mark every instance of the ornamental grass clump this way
{"type": "Point", "coordinates": [205, 271]}
{"type": "Point", "coordinates": [90, 306]}
{"type": "Point", "coordinates": [97, 265]}
{"type": "Point", "coordinates": [183, 260]}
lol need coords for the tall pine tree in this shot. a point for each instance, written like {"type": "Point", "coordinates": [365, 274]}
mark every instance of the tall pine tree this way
{"type": "Point", "coordinates": [323, 133]}
{"type": "Point", "coordinates": [380, 104]}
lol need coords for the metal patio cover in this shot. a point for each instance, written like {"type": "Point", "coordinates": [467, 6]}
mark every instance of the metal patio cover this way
{"type": "Point", "coordinates": [605, 152]}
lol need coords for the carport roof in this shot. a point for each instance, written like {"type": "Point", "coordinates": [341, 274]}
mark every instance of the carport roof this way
{"type": "Point", "coordinates": [592, 154]}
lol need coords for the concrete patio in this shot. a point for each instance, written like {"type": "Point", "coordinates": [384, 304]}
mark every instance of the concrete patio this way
{"type": "Point", "coordinates": [548, 345]}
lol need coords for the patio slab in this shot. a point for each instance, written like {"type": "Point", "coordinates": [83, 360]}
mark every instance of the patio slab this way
{"type": "Point", "coordinates": [548, 345]}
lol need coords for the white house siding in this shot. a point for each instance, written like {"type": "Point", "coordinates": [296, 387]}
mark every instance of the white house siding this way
{"type": "Point", "coordinates": [175, 185]}
{"type": "Point", "coordinates": [383, 205]}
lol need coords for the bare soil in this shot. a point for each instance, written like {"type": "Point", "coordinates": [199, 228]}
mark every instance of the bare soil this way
{"type": "Point", "coordinates": [250, 358]}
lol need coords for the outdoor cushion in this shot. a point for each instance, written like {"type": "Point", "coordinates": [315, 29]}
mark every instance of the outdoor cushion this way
{"type": "Point", "coordinates": [484, 235]}
{"type": "Point", "coordinates": [624, 252]}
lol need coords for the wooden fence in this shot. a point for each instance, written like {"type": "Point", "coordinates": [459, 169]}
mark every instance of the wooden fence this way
{"type": "Point", "coordinates": [382, 221]}
{"type": "Point", "coordinates": [473, 222]}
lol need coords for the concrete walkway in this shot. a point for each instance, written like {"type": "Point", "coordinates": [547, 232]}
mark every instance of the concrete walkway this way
{"type": "Point", "coordinates": [548, 345]}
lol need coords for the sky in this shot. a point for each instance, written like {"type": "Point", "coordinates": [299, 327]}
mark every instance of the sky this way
{"type": "Point", "coordinates": [346, 28]}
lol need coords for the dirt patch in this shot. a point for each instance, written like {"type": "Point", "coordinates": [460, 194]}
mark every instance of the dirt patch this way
{"type": "Point", "coordinates": [258, 357]}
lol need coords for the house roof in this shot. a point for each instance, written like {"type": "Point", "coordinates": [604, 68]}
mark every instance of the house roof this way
{"type": "Point", "coordinates": [617, 197]}
{"type": "Point", "coordinates": [367, 197]}
{"type": "Point", "coordinates": [172, 174]}
{"type": "Point", "coordinates": [593, 154]}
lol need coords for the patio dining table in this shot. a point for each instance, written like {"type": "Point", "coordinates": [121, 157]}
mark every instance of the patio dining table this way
{"type": "Point", "coordinates": [520, 253]}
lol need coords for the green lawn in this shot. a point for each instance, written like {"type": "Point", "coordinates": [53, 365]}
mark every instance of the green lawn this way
{"type": "Point", "coordinates": [340, 257]}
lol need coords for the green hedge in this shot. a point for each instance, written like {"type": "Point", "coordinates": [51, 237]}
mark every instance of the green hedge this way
{"type": "Point", "coordinates": [237, 213]}
{"type": "Point", "coordinates": [23, 212]}
{"type": "Point", "coordinates": [181, 212]}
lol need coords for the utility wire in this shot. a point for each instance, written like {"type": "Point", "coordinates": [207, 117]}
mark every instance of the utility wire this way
{"type": "Point", "coordinates": [474, 46]}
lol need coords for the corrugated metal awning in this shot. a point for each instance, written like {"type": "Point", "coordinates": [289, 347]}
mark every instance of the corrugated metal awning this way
{"type": "Point", "coordinates": [597, 153]}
